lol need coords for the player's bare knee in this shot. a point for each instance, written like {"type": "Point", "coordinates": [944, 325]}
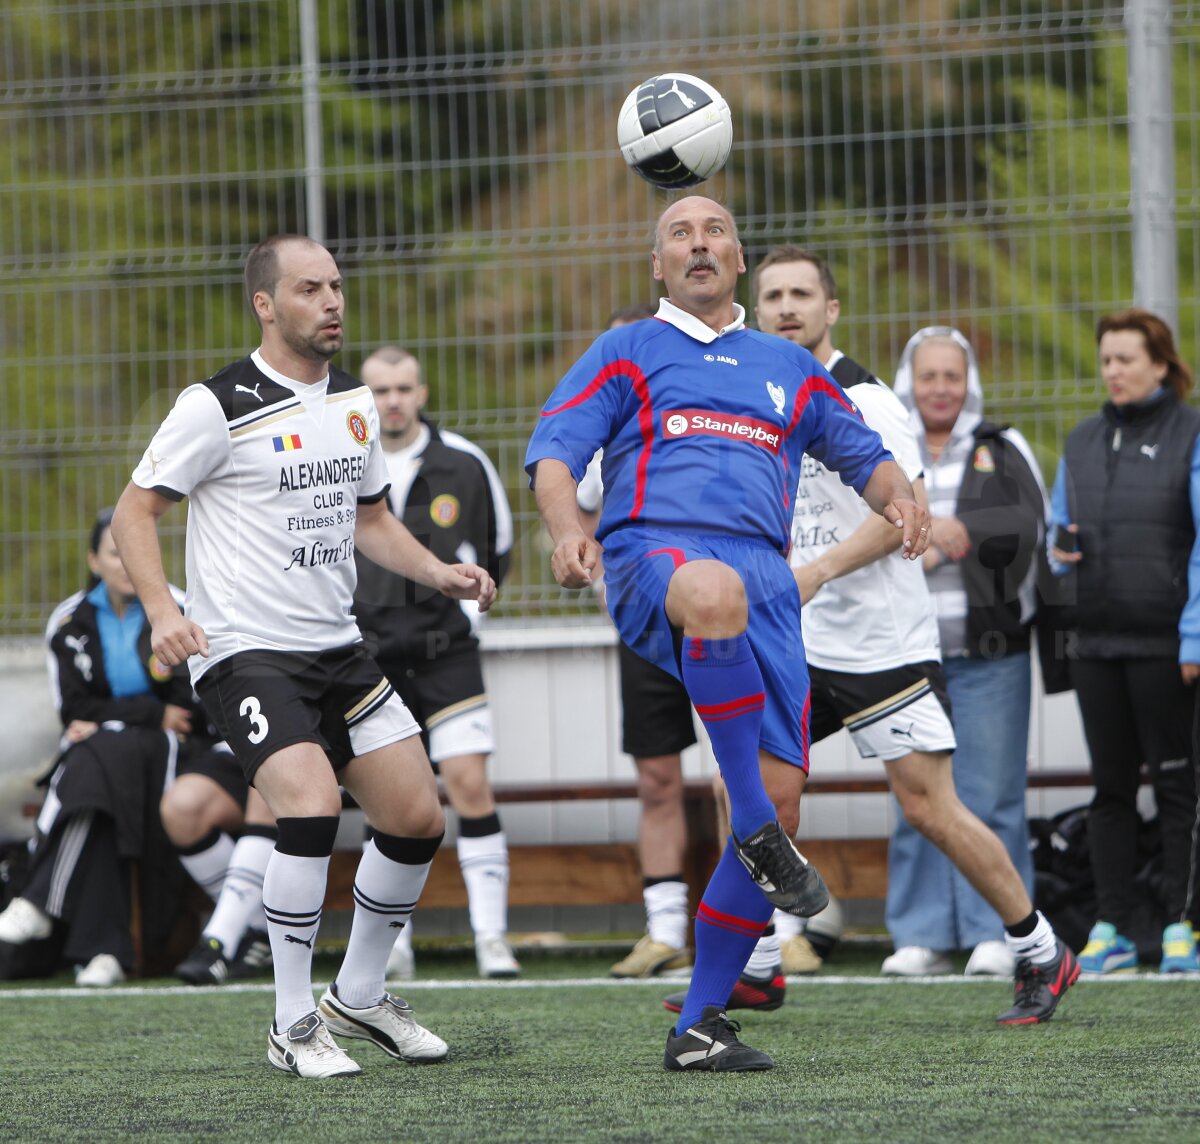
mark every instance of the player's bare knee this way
{"type": "Point", "coordinates": [708, 599]}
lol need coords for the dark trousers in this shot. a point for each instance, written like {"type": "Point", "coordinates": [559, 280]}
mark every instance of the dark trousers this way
{"type": "Point", "coordinates": [78, 876]}
{"type": "Point", "coordinates": [1138, 711]}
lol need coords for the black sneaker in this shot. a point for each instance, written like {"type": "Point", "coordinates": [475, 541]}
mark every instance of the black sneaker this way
{"type": "Point", "coordinates": [748, 993]}
{"type": "Point", "coordinates": [712, 1046]}
{"type": "Point", "coordinates": [253, 957]}
{"type": "Point", "coordinates": [1039, 988]}
{"type": "Point", "coordinates": [789, 882]}
{"type": "Point", "coordinates": [205, 965]}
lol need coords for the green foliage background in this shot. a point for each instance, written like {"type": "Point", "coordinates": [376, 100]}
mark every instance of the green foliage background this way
{"type": "Point", "coordinates": [970, 164]}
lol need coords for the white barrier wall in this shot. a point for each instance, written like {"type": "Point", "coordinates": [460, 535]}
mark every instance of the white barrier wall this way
{"type": "Point", "coordinates": [556, 706]}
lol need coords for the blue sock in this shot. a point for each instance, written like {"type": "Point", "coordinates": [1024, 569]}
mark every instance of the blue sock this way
{"type": "Point", "coordinates": [726, 687]}
{"type": "Point", "coordinates": [731, 918]}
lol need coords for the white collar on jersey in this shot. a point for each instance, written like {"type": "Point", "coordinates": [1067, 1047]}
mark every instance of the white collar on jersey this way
{"type": "Point", "coordinates": [834, 358]}
{"type": "Point", "coordinates": [283, 379]}
{"type": "Point", "coordinates": [693, 327]}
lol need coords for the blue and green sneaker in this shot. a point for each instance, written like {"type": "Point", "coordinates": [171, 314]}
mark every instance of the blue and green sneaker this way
{"type": "Point", "coordinates": [1107, 951]}
{"type": "Point", "coordinates": [1179, 950]}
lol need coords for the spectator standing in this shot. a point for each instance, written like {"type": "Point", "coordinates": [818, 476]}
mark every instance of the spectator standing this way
{"type": "Point", "coordinates": [449, 496]}
{"type": "Point", "coordinates": [1125, 517]}
{"type": "Point", "coordinates": [987, 505]}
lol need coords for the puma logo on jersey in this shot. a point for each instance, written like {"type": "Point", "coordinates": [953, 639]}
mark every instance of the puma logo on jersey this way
{"type": "Point", "coordinates": [253, 392]}
{"type": "Point", "coordinates": [1151, 451]}
{"type": "Point", "coordinates": [83, 661]}
{"type": "Point", "coordinates": [777, 395]}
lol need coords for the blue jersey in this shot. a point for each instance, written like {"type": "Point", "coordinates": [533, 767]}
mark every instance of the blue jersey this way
{"type": "Point", "coordinates": [702, 433]}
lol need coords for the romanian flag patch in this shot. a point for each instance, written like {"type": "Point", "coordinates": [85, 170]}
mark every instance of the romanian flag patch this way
{"type": "Point", "coordinates": [286, 444]}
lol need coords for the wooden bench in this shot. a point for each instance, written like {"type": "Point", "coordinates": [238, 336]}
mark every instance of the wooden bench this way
{"type": "Point", "coordinates": [608, 874]}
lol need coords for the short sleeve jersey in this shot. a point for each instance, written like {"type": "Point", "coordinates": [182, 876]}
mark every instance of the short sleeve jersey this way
{"type": "Point", "coordinates": [274, 470]}
{"type": "Point", "coordinates": [880, 616]}
{"type": "Point", "coordinates": [702, 432]}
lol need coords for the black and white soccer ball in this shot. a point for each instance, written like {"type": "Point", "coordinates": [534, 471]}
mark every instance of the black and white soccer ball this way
{"type": "Point", "coordinates": [675, 130]}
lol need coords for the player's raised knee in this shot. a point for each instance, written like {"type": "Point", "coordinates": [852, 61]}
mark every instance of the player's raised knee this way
{"type": "Point", "coordinates": [707, 598]}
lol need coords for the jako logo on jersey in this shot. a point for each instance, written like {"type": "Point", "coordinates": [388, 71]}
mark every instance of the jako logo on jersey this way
{"type": "Point", "coordinates": [699, 422]}
{"type": "Point", "coordinates": [984, 461]}
{"type": "Point", "coordinates": [721, 358]}
{"type": "Point", "coordinates": [287, 444]}
{"type": "Point", "coordinates": [445, 510]}
{"type": "Point", "coordinates": [357, 424]}
{"type": "Point", "coordinates": [777, 395]}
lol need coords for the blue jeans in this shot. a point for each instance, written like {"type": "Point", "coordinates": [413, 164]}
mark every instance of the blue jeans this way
{"type": "Point", "coordinates": [929, 903]}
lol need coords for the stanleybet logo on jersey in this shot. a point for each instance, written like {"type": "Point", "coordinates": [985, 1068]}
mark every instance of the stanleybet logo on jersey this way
{"type": "Point", "coordinates": [702, 422]}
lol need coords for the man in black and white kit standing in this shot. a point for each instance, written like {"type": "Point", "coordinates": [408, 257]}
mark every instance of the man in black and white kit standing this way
{"type": "Point", "coordinates": [450, 498]}
{"type": "Point", "coordinates": [279, 454]}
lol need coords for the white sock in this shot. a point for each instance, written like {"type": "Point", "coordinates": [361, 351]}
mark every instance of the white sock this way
{"type": "Point", "coordinates": [1039, 947]}
{"type": "Point", "coordinates": [241, 897]}
{"type": "Point", "coordinates": [385, 893]}
{"type": "Point", "coordinates": [293, 894]}
{"type": "Point", "coordinates": [667, 913]}
{"type": "Point", "coordinates": [787, 925]}
{"type": "Point", "coordinates": [484, 865]}
{"type": "Point", "coordinates": [207, 867]}
{"type": "Point", "coordinates": [764, 961]}
{"type": "Point", "coordinates": [404, 937]}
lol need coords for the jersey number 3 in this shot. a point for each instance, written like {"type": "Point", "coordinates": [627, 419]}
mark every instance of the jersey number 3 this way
{"type": "Point", "coordinates": [258, 721]}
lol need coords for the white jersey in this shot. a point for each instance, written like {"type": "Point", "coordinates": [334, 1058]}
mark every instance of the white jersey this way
{"type": "Point", "coordinates": [275, 471]}
{"type": "Point", "coordinates": [880, 616]}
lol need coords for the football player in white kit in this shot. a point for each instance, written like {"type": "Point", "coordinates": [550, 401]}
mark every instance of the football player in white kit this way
{"type": "Point", "coordinates": [279, 454]}
{"type": "Point", "coordinates": [870, 636]}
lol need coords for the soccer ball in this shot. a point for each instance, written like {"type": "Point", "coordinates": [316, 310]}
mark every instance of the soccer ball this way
{"type": "Point", "coordinates": [675, 130]}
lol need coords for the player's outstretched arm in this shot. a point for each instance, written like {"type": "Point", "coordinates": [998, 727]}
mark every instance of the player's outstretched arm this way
{"type": "Point", "coordinates": [889, 493]}
{"type": "Point", "coordinates": [576, 555]}
{"type": "Point", "coordinates": [135, 531]}
{"type": "Point", "coordinates": [383, 538]}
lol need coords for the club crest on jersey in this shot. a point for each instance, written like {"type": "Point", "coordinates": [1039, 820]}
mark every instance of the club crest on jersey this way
{"type": "Point", "coordinates": [777, 395]}
{"type": "Point", "coordinates": [158, 670]}
{"type": "Point", "coordinates": [702, 422]}
{"type": "Point", "coordinates": [445, 510]}
{"type": "Point", "coordinates": [357, 424]}
{"type": "Point", "coordinates": [984, 461]}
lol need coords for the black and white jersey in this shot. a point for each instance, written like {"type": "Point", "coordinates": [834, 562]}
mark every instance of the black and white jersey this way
{"type": "Point", "coordinates": [274, 470]}
{"type": "Point", "coordinates": [880, 616]}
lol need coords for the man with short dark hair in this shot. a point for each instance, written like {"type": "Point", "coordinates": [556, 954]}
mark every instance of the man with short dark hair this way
{"type": "Point", "coordinates": [279, 454]}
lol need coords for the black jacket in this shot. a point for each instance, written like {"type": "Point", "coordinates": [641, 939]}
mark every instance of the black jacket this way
{"type": "Point", "coordinates": [79, 682]}
{"type": "Point", "coordinates": [1002, 507]}
{"type": "Point", "coordinates": [452, 510]}
{"type": "Point", "coordinates": [1128, 475]}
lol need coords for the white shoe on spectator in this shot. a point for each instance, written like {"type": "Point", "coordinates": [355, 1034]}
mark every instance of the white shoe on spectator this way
{"type": "Point", "coordinates": [22, 921]}
{"type": "Point", "coordinates": [915, 961]}
{"type": "Point", "coordinates": [494, 957]}
{"type": "Point", "coordinates": [991, 959]}
{"type": "Point", "coordinates": [102, 972]}
{"type": "Point", "coordinates": [401, 965]}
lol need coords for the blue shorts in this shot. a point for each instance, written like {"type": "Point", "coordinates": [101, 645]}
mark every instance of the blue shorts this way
{"type": "Point", "coordinates": [638, 565]}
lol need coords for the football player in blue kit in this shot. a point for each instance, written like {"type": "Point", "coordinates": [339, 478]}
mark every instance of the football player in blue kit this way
{"type": "Point", "coordinates": [703, 424]}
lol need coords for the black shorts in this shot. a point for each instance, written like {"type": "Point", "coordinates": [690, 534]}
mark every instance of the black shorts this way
{"type": "Point", "coordinates": [888, 713]}
{"type": "Point", "coordinates": [656, 713]}
{"type": "Point", "coordinates": [196, 758]}
{"type": "Point", "coordinates": [445, 693]}
{"type": "Point", "coordinates": [262, 701]}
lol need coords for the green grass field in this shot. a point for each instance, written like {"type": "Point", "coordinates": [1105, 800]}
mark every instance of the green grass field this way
{"type": "Point", "coordinates": [564, 1055]}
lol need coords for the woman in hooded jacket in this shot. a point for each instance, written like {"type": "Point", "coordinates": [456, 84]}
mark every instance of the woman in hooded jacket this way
{"type": "Point", "coordinates": [987, 505]}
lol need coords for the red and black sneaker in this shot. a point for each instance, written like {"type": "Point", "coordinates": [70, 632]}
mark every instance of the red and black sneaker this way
{"type": "Point", "coordinates": [1039, 988]}
{"type": "Point", "coordinates": [749, 993]}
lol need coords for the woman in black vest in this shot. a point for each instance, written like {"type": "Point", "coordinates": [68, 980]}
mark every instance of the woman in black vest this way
{"type": "Point", "coordinates": [1124, 512]}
